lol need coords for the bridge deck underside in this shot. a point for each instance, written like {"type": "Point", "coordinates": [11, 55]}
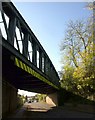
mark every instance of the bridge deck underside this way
{"type": "Point", "coordinates": [20, 78]}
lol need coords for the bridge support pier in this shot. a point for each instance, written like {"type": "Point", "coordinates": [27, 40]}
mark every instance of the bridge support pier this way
{"type": "Point", "coordinates": [52, 99]}
{"type": "Point", "coordinates": [9, 98]}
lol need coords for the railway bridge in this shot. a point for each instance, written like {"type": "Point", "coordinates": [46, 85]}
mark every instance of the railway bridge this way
{"type": "Point", "coordinates": [25, 64]}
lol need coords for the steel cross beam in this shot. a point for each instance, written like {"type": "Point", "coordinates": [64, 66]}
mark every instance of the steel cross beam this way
{"type": "Point", "coordinates": [19, 35]}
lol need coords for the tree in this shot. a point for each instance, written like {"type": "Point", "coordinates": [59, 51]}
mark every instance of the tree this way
{"type": "Point", "coordinates": [77, 39]}
{"type": "Point", "coordinates": [41, 97]}
{"type": "Point", "coordinates": [78, 67]}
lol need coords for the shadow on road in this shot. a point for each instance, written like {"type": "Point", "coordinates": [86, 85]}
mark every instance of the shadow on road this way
{"type": "Point", "coordinates": [43, 110]}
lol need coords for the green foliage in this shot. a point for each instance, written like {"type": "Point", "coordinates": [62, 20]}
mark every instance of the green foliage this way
{"type": "Point", "coordinates": [20, 100]}
{"type": "Point", "coordinates": [41, 97]}
{"type": "Point", "coordinates": [79, 60]}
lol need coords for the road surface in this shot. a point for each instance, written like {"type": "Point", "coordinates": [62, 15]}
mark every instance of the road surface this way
{"type": "Point", "coordinates": [43, 110]}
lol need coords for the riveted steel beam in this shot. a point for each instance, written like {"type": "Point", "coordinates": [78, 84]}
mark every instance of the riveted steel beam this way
{"type": "Point", "coordinates": [11, 29]}
{"type": "Point", "coordinates": [34, 56]}
{"type": "Point", "coordinates": [46, 67]}
{"type": "Point", "coordinates": [25, 45]}
{"type": "Point", "coordinates": [40, 59]}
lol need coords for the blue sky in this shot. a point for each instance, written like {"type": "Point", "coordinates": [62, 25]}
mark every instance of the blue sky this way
{"type": "Point", "coordinates": [48, 22]}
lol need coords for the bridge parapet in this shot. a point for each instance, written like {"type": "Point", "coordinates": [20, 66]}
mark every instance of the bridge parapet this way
{"type": "Point", "coordinates": [18, 35]}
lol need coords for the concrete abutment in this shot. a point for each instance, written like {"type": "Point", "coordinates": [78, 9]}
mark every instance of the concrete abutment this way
{"type": "Point", "coordinates": [52, 99]}
{"type": "Point", "coordinates": [9, 98]}
{"type": "Point", "coordinates": [55, 99]}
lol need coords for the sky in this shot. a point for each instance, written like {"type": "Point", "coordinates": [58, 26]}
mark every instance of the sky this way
{"type": "Point", "coordinates": [48, 21]}
{"type": "Point", "coordinates": [23, 92]}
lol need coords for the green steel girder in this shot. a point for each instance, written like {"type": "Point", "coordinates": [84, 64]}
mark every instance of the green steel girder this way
{"type": "Point", "coordinates": [16, 20]}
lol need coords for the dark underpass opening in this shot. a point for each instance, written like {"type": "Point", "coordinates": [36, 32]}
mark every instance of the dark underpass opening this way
{"type": "Point", "coordinates": [33, 101]}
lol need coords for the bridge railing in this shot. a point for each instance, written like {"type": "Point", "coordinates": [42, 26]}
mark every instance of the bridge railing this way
{"type": "Point", "coordinates": [16, 32]}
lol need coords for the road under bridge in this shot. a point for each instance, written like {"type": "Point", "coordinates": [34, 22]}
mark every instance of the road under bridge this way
{"type": "Point", "coordinates": [25, 64]}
